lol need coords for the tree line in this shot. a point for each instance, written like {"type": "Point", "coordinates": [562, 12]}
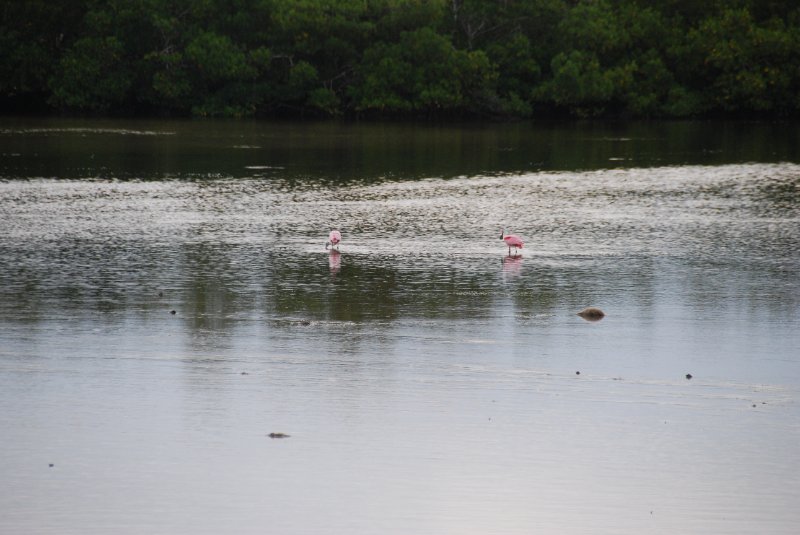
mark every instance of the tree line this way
{"type": "Point", "coordinates": [402, 58]}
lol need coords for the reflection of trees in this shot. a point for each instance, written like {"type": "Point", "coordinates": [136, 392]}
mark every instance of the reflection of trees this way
{"type": "Point", "coordinates": [81, 277]}
{"type": "Point", "coordinates": [215, 290]}
{"type": "Point", "coordinates": [302, 288]}
{"type": "Point", "coordinates": [304, 154]}
{"type": "Point", "coordinates": [373, 288]}
{"type": "Point", "coordinates": [779, 194]}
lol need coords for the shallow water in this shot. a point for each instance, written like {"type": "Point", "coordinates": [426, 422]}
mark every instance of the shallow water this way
{"type": "Point", "coordinates": [430, 382]}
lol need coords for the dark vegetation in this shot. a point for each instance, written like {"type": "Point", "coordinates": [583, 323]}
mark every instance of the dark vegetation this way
{"type": "Point", "coordinates": [402, 58]}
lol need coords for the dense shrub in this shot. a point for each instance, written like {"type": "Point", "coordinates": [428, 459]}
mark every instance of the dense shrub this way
{"type": "Point", "coordinates": [496, 58]}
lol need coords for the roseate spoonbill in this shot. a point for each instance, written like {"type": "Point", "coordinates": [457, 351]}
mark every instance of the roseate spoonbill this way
{"type": "Point", "coordinates": [333, 239]}
{"type": "Point", "coordinates": [512, 240]}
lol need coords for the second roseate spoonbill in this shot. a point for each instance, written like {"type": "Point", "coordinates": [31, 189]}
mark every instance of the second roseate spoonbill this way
{"type": "Point", "coordinates": [333, 239]}
{"type": "Point", "coordinates": [512, 240]}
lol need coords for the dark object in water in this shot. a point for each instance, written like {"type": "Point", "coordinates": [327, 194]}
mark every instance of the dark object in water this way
{"type": "Point", "coordinates": [591, 314]}
{"type": "Point", "coordinates": [688, 375]}
{"type": "Point", "coordinates": [51, 465]}
{"type": "Point", "coordinates": [278, 435]}
{"type": "Point", "coordinates": [577, 373]}
{"type": "Point", "coordinates": [172, 312]}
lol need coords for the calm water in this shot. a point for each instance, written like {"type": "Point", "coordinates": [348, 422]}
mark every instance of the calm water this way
{"type": "Point", "coordinates": [166, 302]}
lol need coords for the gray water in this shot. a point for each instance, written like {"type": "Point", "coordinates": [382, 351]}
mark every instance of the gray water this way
{"type": "Point", "coordinates": [167, 302]}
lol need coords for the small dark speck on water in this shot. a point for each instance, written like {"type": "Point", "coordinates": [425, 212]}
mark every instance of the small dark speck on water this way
{"type": "Point", "coordinates": [278, 435]}
{"type": "Point", "coordinates": [245, 373]}
{"type": "Point", "coordinates": [688, 375]}
{"type": "Point", "coordinates": [754, 405]}
{"type": "Point", "coordinates": [161, 294]}
{"type": "Point", "coordinates": [305, 322]}
{"type": "Point", "coordinates": [51, 465]}
{"type": "Point", "coordinates": [172, 312]}
{"type": "Point", "coordinates": [577, 373]}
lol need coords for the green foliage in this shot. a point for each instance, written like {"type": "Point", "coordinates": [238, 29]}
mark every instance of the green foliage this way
{"type": "Point", "coordinates": [749, 65]}
{"type": "Point", "coordinates": [423, 72]}
{"type": "Point", "coordinates": [513, 57]}
{"type": "Point", "coordinates": [92, 75]}
{"type": "Point", "coordinates": [34, 35]}
{"type": "Point", "coordinates": [216, 58]}
{"type": "Point", "coordinates": [578, 83]}
{"type": "Point", "coordinates": [584, 58]}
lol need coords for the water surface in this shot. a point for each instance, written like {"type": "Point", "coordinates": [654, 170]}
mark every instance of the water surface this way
{"type": "Point", "coordinates": [166, 302]}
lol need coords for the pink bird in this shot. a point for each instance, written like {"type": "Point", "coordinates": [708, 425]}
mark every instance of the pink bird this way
{"type": "Point", "coordinates": [511, 240]}
{"type": "Point", "coordinates": [333, 239]}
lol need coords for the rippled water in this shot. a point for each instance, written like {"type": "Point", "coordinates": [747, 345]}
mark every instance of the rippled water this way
{"type": "Point", "coordinates": [166, 302]}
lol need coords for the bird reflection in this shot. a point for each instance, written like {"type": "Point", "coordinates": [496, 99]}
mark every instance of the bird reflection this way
{"type": "Point", "coordinates": [512, 264]}
{"type": "Point", "coordinates": [334, 261]}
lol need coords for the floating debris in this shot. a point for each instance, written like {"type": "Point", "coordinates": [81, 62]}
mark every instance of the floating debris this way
{"type": "Point", "coordinates": [688, 376]}
{"type": "Point", "coordinates": [592, 314]}
{"type": "Point", "coordinates": [278, 435]}
{"type": "Point", "coordinates": [577, 373]}
{"type": "Point", "coordinates": [172, 312]}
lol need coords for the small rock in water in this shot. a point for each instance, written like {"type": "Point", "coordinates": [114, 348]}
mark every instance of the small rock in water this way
{"type": "Point", "coordinates": [278, 435]}
{"type": "Point", "coordinates": [172, 312]}
{"type": "Point", "coordinates": [591, 314]}
{"type": "Point", "coordinates": [688, 375]}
